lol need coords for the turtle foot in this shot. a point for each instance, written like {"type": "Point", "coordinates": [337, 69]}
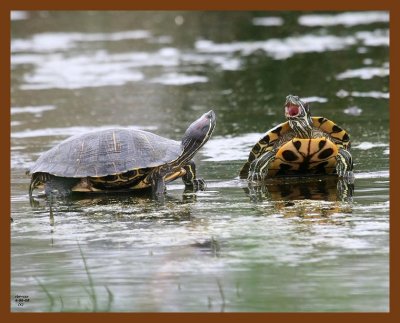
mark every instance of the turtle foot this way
{"type": "Point", "coordinates": [195, 185]}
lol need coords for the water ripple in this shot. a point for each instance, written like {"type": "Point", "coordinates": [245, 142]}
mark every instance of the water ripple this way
{"type": "Point", "coordinates": [36, 110]}
{"type": "Point", "coordinates": [61, 41]}
{"type": "Point", "coordinates": [346, 19]}
{"type": "Point", "coordinates": [67, 131]}
{"type": "Point", "coordinates": [364, 73]}
{"type": "Point", "coordinates": [268, 21]}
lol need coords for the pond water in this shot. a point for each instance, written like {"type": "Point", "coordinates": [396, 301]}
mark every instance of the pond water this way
{"type": "Point", "coordinates": [220, 249]}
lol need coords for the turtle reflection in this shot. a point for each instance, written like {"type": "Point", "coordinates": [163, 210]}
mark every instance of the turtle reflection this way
{"type": "Point", "coordinates": [119, 206]}
{"type": "Point", "coordinates": [327, 188]}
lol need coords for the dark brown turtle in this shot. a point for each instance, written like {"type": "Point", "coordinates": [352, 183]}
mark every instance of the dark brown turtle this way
{"type": "Point", "coordinates": [121, 160]}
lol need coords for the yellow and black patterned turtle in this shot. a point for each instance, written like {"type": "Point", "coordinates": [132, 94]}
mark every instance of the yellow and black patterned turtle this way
{"type": "Point", "coordinates": [303, 145]}
{"type": "Point", "coordinates": [121, 160]}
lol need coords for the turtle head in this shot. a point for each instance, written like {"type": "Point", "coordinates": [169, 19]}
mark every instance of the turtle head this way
{"type": "Point", "coordinates": [295, 108]}
{"type": "Point", "coordinates": [298, 114]}
{"type": "Point", "coordinates": [198, 134]}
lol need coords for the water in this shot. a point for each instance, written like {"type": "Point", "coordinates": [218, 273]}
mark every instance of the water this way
{"type": "Point", "coordinates": [220, 249]}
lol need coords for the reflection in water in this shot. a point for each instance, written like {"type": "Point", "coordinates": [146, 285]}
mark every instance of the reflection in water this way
{"type": "Point", "coordinates": [327, 188]}
{"type": "Point", "coordinates": [310, 199]}
{"type": "Point", "coordinates": [326, 200]}
{"type": "Point", "coordinates": [139, 205]}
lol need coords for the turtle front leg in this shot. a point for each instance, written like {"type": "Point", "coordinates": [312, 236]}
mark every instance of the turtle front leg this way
{"type": "Point", "coordinates": [189, 179]}
{"type": "Point", "coordinates": [259, 167]}
{"type": "Point", "coordinates": [344, 165]}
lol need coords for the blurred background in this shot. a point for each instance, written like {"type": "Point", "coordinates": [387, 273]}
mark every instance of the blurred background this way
{"type": "Point", "coordinates": [219, 250]}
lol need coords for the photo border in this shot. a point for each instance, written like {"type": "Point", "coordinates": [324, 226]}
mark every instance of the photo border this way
{"type": "Point", "coordinates": [390, 5]}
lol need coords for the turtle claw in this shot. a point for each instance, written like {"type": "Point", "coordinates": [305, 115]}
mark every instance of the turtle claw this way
{"type": "Point", "coordinates": [197, 184]}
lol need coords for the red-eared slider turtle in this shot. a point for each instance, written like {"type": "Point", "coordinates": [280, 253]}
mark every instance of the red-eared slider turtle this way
{"type": "Point", "coordinates": [303, 145]}
{"type": "Point", "coordinates": [121, 160]}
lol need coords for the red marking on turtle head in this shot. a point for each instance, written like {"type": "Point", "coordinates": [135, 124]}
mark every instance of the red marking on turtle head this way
{"type": "Point", "coordinates": [292, 110]}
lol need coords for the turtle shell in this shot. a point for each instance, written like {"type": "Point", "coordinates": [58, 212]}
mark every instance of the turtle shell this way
{"type": "Point", "coordinates": [107, 152]}
{"type": "Point", "coordinates": [278, 136]}
{"type": "Point", "coordinates": [308, 156]}
{"type": "Point", "coordinates": [282, 135]}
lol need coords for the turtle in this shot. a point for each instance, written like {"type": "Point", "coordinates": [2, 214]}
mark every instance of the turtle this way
{"type": "Point", "coordinates": [301, 146]}
{"type": "Point", "coordinates": [121, 159]}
